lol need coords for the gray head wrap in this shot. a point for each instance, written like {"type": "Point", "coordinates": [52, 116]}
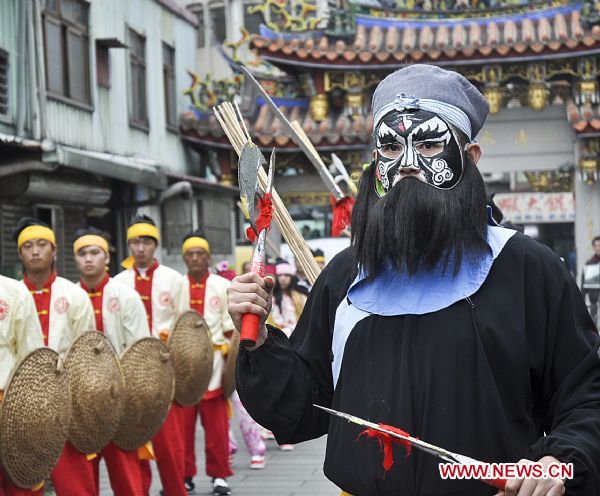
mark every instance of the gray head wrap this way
{"type": "Point", "coordinates": [427, 87]}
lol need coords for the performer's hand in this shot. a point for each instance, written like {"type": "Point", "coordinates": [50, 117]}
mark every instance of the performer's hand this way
{"type": "Point", "coordinates": [250, 293]}
{"type": "Point", "coordinates": [529, 487]}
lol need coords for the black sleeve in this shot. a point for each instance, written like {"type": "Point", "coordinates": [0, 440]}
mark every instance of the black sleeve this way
{"type": "Point", "coordinates": [279, 382]}
{"type": "Point", "coordinates": [566, 358]}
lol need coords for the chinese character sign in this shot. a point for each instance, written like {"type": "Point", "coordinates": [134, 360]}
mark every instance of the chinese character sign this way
{"type": "Point", "coordinates": [536, 207]}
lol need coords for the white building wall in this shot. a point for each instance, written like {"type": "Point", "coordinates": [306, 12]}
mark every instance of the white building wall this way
{"type": "Point", "coordinates": [107, 128]}
{"type": "Point", "coordinates": [208, 58]}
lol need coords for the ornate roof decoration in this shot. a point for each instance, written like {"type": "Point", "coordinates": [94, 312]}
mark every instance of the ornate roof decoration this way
{"type": "Point", "coordinates": [285, 15]}
{"type": "Point", "coordinates": [334, 133]}
{"type": "Point", "coordinates": [385, 42]}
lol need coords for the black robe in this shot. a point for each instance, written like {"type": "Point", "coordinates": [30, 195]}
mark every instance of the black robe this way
{"type": "Point", "coordinates": [484, 377]}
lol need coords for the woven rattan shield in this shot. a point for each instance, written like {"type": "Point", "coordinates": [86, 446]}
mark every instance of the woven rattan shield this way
{"type": "Point", "coordinates": [149, 388]}
{"type": "Point", "coordinates": [191, 350]}
{"type": "Point", "coordinates": [97, 391]}
{"type": "Point", "coordinates": [229, 370]}
{"type": "Point", "coordinates": [34, 418]}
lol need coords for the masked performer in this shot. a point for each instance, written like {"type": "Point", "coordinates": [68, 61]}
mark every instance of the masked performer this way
{"type": "Point", "coordinates": [121, 316]}
{"type": "Point", "coordinates": [64, 312]}
{"type": "Point", "coordinates": [161, 290]}
{"type": "Point", "coordinates": [467, 335]}
{"type": "Point", "coordinates": [20, 334]}
{"type": "Point", "coordinates": [207, 294]}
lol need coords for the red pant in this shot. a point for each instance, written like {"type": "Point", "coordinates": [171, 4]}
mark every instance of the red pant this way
{"type": "Point", "coordinates": [168, 448]}
{"type": "Point", "coordinates": [74, 474]}
{"type": "Point", "coordinates": [213, 415]}
{"type": "Point", "coordinates": [7, 488]}
{"type": "Point", "coordinates": [123, 469]}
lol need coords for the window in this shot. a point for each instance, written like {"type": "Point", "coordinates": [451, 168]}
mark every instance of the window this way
{"type": "Point", "coordinates": [67, 50]}
{"type": "Point", "coordinates": [103, 48]}
{"type": "Point", "coordinates": [102, 66]}
{"type": "Point", "coordinates": [176, 223]}
{"type": "Point", "coordinates": [169, 86]}
{"type": "Point", "coordinates": [215, 215]}
{"type": "Point", "coordinates": [3, 82]}
{"type": "Point", "coordinates": [253, 21]}
{"type": "Point", "coordinates": [137, 60]}
{"type": "Point", "coordinates": [218, 27]}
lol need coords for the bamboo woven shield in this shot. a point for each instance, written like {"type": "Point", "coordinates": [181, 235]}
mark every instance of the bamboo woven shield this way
{"type": "Point", "coordinates": [149, 388]}
{"type": "Point", "coordinates": [97, 391]}
{"type": "Point", "coordinates": [191, 350]}
{"type": "Point", "coordinates": [34, 418]}
{"type": "Point", "coordinates": [229, 370]}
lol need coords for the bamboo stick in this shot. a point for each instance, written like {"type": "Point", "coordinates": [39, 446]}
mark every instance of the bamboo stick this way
{"type": "Point", "coordinates": [231, 120]}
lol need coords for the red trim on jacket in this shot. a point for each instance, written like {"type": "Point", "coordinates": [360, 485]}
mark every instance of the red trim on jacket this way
{"type": "Point", "coordinates": [42, 299]}
{"type": "Point", "coordinates": [198, 293]}
{"type": "Point", "coordinates": [143, 285]}
{"type": "Point", "coordinates": [96, 297]}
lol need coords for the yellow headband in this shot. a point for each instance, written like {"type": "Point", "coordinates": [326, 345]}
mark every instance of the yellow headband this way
{"type": "Point", "coordinates": [36, 232]}
{"type": "Point", "coordinates": [90, 240]}
{"type": "Point", "coordinates": [319, 258]}
{"type": "Point", "coordinates": [195, 242]}
{"type": "Point", "coordinates": [139, 230]}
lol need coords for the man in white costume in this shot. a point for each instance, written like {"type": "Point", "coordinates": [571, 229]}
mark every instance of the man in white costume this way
{"type": "Point", "coordinates": [121, 316]}
{"type": "Point", "coordinates": [207, 294]}
{"type": "Point", "coordinates": [20, 334]}
{"type": "Point", "coordinates": [161, 289]}
{"type": "Point", "coordinates": [65, 312]}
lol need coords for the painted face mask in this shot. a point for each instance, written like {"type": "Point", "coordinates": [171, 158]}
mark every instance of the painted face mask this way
{"type": "Point", "coordinates": [417, 140]}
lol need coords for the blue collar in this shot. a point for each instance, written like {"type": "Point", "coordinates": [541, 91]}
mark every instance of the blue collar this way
{"type": "Point", "coordinates": [394, 293]}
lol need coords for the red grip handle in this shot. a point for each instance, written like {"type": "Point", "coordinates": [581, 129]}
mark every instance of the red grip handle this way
{"type": "Point", "coordinates": [497, 483]}
{"type": "Point", "coordinates": [249, 332]}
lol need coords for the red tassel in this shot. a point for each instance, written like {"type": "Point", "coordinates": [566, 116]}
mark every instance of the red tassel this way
{"type": "Point", "coordinates": [385, 441]}
{"type": "Point", "coordinates": [265, 208]}
{"type": "Point", "coordinates": [342, 214]}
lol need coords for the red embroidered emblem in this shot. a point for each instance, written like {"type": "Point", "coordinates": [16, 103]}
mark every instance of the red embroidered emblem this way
{"type": "Point", "coordinates": [112, 305]}
{"type": "Point", "coordinates": [165, 298]}
{"type": "Point", "coordinates": [61, 305]}
{"type": "Point", "coordinates": [215, 303]}
{"type": "Point", "coordinates": [401, 126]}
{"type": "Point", "coordinates": [4, 309]}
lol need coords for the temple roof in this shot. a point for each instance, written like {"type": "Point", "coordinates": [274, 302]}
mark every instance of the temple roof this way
{"type": "Point", "coordinates": [386, 42]}
{"type": "Point", "coordinates": [584, 118]}
{"type": "Point", "coordinates": [333, 133]}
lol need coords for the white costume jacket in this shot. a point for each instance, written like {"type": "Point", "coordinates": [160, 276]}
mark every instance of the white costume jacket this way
{"type": "Point", "coordinates": [213, 307]}
{"type": "Point", "coordinates": [20, 331]}
{"type": "Point", "coordinates": [166, 300]}
{"type": "Point", "coordinates": [122, 313]}
{"type": "Point", "coordinates": [68, 310]}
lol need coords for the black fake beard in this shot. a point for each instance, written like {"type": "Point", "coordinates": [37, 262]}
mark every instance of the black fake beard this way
{"type": "Point", "coordinates": [417, 227]}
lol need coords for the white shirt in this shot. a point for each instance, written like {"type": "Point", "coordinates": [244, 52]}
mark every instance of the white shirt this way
{"type": "Point", "coordinates": [215, 307]}
{"type": "Point", "coordinates": [71, 314]}
{"type": "Point", "coordinates": [217, 319]}
{"type": "Point", "coordinates": [20, 331]}
{"type": "Point", "coordinates": [167, 296]}
{"type": "Point", "coordinates": [123, 315]}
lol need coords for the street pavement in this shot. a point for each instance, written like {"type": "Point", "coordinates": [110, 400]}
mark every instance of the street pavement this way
{"type": "Point", "coordinates": [287, 473]}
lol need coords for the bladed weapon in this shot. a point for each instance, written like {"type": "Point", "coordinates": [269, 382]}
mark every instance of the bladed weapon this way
{"type": "Point", "coordinates": [323, 172]}
{"type": "Point", "coordinates": [432, 449]}
{"type": "Point", "coordinates": [250, 160]}
{"type": "Point", "coordinates": [338, 165]}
